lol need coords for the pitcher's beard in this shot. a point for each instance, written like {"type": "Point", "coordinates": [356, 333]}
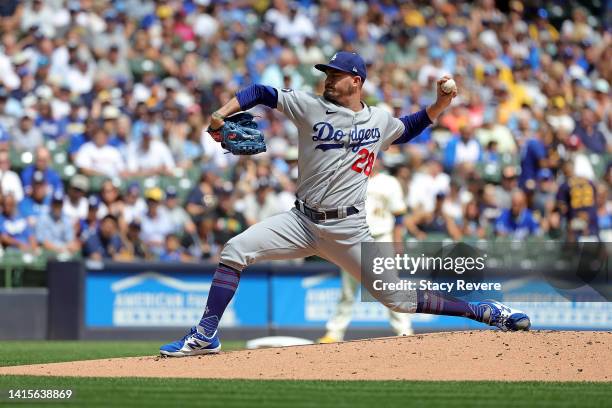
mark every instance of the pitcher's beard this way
{"type": "Point", "coordinates": [329, 96]}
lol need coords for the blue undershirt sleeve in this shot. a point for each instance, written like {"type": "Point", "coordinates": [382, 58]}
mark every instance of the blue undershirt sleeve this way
{"type": "Point", "coordinates": [256, 94]}
{"type": "Point", "coordinates": [414, 124]}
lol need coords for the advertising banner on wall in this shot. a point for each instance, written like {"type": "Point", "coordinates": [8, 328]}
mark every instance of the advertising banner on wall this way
{"type": "Point", "coordinates": [309, 301]}
{"type": "Point", "coordinates": [151, 298]}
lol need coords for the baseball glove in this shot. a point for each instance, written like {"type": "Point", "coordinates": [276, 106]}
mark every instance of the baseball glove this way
{"type": "Point", "coordinates": [240, 135]}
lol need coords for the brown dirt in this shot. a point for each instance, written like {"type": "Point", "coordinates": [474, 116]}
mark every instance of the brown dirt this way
{"type": "Point", "coordinates": [474, 355]}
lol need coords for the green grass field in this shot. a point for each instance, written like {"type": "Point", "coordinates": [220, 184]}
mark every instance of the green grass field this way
{"type": "Point", "coordinates": [155, 392]}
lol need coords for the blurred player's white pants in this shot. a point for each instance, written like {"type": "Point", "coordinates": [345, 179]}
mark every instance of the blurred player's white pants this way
{"type": "Point", "coordinates": [336, 326]}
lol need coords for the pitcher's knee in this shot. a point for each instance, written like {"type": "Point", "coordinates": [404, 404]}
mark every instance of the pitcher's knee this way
{"type": "Point", "coordinates": [232, 255]}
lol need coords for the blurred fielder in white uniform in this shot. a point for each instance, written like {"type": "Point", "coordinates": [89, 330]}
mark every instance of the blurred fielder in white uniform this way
{"type": "Point", "coordinates": [385, 209]}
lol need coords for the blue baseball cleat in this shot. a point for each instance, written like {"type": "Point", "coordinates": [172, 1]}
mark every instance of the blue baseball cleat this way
{"type": "Point", "coordinates": [194, 343]}
{"type": "Point", "coordinates": [497, 314]}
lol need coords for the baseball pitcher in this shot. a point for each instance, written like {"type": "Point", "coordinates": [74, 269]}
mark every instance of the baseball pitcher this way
{"type": "Point", "coordinates": [339, 139]}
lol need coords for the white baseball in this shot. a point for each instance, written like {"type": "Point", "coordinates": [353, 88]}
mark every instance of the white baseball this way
{"type": "Point", "coordinates": [449, 86]}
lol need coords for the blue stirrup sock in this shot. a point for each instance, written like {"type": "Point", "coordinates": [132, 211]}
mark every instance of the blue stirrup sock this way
{"type": "Point", "coordinates": [224, 285]}
{"type": "Point", "coordinates": [437, 303]}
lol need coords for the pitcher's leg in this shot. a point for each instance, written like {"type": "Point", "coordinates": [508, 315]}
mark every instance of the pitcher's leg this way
{"type": "Point", "coordinates": [283, 236]}
{"type": "Point", "coordinates": [493, 313]}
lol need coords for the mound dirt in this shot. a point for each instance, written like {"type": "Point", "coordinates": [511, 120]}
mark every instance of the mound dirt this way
{"type": "Point", "coordinates": [474, 355]}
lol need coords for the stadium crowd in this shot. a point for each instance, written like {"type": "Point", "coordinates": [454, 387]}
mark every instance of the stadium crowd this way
{"type": "Point", "coordinates": [104, 106]}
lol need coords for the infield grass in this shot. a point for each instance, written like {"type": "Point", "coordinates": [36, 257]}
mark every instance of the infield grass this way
{"type": "Point", "coordinates": [158, 392]}
{"type": "Point", "coordinates": [34, 352]}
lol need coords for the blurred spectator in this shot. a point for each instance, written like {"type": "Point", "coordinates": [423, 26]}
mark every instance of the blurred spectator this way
{"type": "Point", "coordinates": [89, 225]}
{"type": "Point", "coordinates": [495, 132]}
{"type": "Point", "coordinates": [42, 163]}
{"type": "Point", "coordinates": [37, 14]}
{"type": "Point", "coordinates": [454, 202]}
{"type": "Point", "coordinates": [463, 149]}
{"type": "Point", "coordinates": [26, 137]}
{"type": "Point", "coordinates": [149, 156]}
{"type": "Point", "coordinates": [8, 110]}
{"type": "Point", "coordinates": [98, 158]}
{"type": "Point", "coordinates": [517, 222]}
{"type": "Point", "coordinates": [604, 213]}
{"type": "Point", "coordinates": [51, 127]}
{"type": "Point", "coordinates": [202, 198]}
{"type": "Point", "coordinates": [80, 75]}
{"type": "Point", "coordinates": [54, 230]}
{"type": "Point", "coordinates": [544, 201]}
{"type": "Point", "coordinates": [589, 134]}
{"type": "Point", "coordinates": [173, 252]}
{"type": "Point", "coordinates": [37, 203]}
{"type": "Point", "coordinates": [113, 69]}
{"type": "Point", "coordinates": [203, 245]}
{"type": "Point", "coordinates": [79, 138]}
{"type": "Point", "coordinates": [491, 156]}
{"type": "Point", "coordinates": [110, 200]}
{"type": "Point", "coordinates": [509, 183]}
{"type": "Point", "coordinates": [75, 120]}
{"type": "Point", "coordinates": [290, 23]}
{"type": "Point", "coordinates": [15, 231]}
{"type": "Point", "coordinates": [134, 246]}
{"type": "Point", "coordinates": [421, 223]}
{"type": "Point", "coordinates": [156, 222]}
{"type": "Point", "coordinates": [134, 206]}
{"type": "Point", "coordinates": [10, 183]}
{"type": "Point", "coordinates": [426, 184]}
{"type": "Point", "coordinates": [227, 221]}
{"type": "Point", "coordinates": [559, 118]}
{"type": "Point", "coordinates": [577, 201]}
{"type": "Point", "coordinates": [105, 243]}
{"type": "Point", "coordinates": [75, 203]}
{"type": "Point", "coordinates": [121, 138]}
{"type": "Point", "coordinates": [576, 153]}
{"type": "Point", "coordinates": [181, 222]}
{"type": "Point", "coordinates": [533, 158]}
{"type": "Point", "coordinates": [471, 224]}
{"type": "Point", "coordinates": [432, 69]}
{"type": "Point", "coordinates": [262, 203]}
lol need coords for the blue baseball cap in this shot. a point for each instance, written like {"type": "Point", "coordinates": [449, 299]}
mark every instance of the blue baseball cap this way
{"type": "Point", "coordinates": [545, 174]}
{"type": "Point", "coordinates": [93, 201]}
{"type": "Point", "coordinates": [348, 62]}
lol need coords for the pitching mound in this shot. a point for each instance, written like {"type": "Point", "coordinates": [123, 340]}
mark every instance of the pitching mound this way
{"type": "Point", "coordinates": [476, 355]}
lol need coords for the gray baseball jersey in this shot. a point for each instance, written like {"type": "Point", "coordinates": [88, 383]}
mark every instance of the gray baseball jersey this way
{"type": "Point", "coordinates": [337, 147]}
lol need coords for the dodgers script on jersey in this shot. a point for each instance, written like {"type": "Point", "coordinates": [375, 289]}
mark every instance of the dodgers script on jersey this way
{"type": "Point", "coordinates": [337, 147]}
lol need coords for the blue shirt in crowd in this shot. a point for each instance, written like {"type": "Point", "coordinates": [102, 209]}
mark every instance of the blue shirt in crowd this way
{"type": "Point", "coordinates": [33, 210]}
{"type": "Point", "coordinates": [532, 152]}
{"type": "Point", "coordinates": [519, 227]}
{"type": "Point", "coordinates": [58, 231]}
{"type": "Point", "coordinates": [51, 177]}
{"type": "Point", "coordinates": [16, 227]}
{"type": "Point", "coordinates": [96, 244]}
